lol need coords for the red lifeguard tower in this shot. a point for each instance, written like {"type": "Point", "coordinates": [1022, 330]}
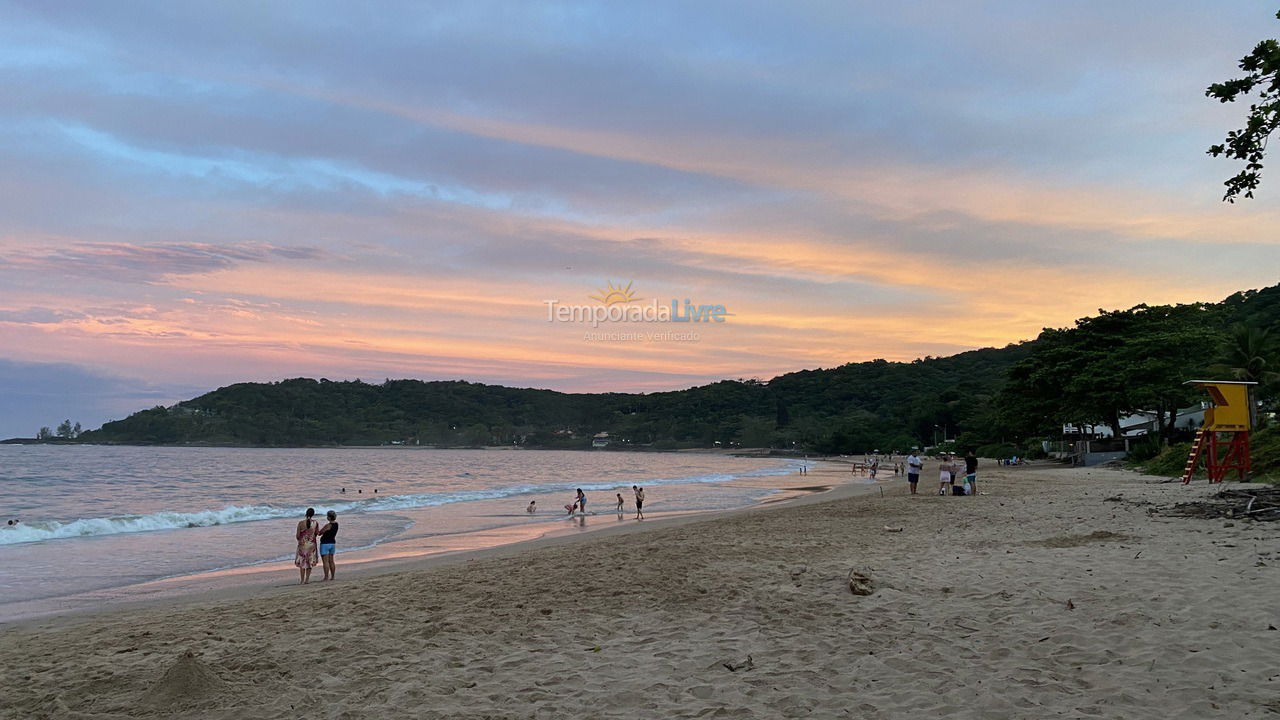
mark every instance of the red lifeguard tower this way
{"type": "Point", "coordinates": [1223, 439]}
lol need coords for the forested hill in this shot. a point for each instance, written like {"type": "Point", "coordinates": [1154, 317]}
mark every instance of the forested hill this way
{"type": "Point", "coordinates": [1090, 372]}
{"type": "Point", "coordinates": [868, 404]}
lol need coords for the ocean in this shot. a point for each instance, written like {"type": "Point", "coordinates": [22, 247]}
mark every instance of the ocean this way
{"type": "Point", "coordinates": [98, 524]}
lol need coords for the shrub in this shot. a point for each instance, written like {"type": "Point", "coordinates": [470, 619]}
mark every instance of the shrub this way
{"type": "Point", "coordinates": [1144, 449]}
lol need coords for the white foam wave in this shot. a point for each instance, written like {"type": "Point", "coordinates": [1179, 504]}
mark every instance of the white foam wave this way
{"type": "Point", "coordinates": [52, 530]}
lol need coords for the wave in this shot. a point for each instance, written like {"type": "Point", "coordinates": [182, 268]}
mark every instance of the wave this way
{"type": "Point", "coordinates": [123, 524]}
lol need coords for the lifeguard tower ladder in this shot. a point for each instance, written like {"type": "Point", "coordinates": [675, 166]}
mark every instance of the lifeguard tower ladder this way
{"type": "Point", "coordinates": [1223, 440]}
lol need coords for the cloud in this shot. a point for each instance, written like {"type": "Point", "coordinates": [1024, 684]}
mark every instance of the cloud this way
{"type": "Point", "coordinates": [43, 394]}
{"type": "Point", "coordinates": [130, 263]}
{"type": "Point", "coordinates": [222, 192]}
{"type": "Point", "coordinates": [40, 316]}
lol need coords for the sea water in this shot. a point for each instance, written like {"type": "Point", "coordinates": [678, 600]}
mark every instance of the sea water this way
{"type": "Point", "coordinates": [96, 518]}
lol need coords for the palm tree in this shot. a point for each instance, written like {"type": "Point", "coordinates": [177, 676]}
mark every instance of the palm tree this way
{"type": "Point", "coordinates": [1251, 354]}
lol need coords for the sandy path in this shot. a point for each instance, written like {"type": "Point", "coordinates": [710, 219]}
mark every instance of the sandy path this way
{"type": "Point", "coordinates": [969, 618]}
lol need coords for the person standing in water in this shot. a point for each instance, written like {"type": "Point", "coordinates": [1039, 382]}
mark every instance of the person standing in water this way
{"type": "Point", "coordinates": [639, 502]}
{"type": "Point", "coordinates": [329, 543]}
{"type": "Point", "coordinates": [619, 503]}
{"type": "Point", "coordinates": [581, 502]}
{"type": "Point", "coordinates": [306, 557]}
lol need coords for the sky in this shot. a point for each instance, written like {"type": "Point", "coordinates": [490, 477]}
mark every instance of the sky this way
{"type": "Point", "coordinates": [193, 195]}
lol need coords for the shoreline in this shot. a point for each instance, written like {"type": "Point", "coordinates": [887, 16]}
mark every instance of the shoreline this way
{"type": "Point", "coordinates": [1056, 593]}
{"type": "Point", "coordinates": [246, 581]}
{"type": "Point", "coordinates": [734, 452]}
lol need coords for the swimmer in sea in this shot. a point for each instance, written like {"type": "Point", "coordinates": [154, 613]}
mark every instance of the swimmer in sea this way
{"type": "Point", "coordinates": [533, 507]}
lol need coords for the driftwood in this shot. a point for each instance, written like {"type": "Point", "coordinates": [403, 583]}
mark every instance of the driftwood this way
{"type": "Point", "coordinates": [1251, 503]}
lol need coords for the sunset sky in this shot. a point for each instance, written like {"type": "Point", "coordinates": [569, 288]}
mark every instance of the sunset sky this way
{"type": "Point", "coordinates": [197, 195]}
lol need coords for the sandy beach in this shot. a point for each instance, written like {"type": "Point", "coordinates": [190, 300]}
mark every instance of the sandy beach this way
{"type": "Point", "coordinates": [1056, 594]}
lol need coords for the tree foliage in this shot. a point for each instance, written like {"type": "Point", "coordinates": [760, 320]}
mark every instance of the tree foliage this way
{"type": "Point", "coordinates": [1252, 353]}
{"type": "Point", "coordinates": [852, 408]}
{"type": "Point", "coordinates": [1099, 369]}
{"type": "Point", "coordinates": [1262, 73]}
{"type": "Point", "coordinates": [1114, 364]}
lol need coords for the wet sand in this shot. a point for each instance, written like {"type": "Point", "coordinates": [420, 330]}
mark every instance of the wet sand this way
{"type": "Point", "coordinates": [410, 552]}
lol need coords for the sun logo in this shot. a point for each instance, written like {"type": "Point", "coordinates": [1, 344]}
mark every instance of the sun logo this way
{"type": "Point", "coordinates": [614, 294]}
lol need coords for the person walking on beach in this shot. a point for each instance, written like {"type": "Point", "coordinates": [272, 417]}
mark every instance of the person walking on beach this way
{"type": "Point", "coordinates": [914, 466]}
{"type": "Point", "coordinates": [306, 557]}
{"type": "Point", "coordinates": [581, 502]}
{"type": "Point", "coordinates": [875, 466]}
{"type": "Point", "coordinates": [639, 491]}
{"type": "Point", "coordinates": [971, 472]}
{"type": "Point", "coordinates": [329, 543]}
{"type": "Point", "coordinates": [619, 503]}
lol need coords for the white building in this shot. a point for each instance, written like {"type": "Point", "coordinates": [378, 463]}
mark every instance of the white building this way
{"type": "Point", "coordinates": [1141, 423]}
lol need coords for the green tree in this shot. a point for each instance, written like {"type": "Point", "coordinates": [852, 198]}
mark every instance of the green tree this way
{"type": "Point", "coordinates": [1262, 71]}
{"type": "Point", "coordinates": [64, 429]}
{"type": "Point", "coordinates": [44, 434]}
{"type": "Point", "coordinates": [477, 434]}
{"type": "Point", "coordinates": [757, 432]}
{"type": "Point", "coordinates": [1112, 364]}
{"type": "Point", "coordinates": [1252, 354]}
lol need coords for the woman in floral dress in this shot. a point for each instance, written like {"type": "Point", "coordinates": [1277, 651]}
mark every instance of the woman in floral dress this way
{"type": "Point", "coordinates": [307, 556]}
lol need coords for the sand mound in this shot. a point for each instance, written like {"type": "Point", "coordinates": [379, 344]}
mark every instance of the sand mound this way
{"type": "Point", "coordinates": [860, 583]}
{"type": "Point", "coordinates": [187, 680]}
{"type": "Point", "coordinates": [1066, 541]}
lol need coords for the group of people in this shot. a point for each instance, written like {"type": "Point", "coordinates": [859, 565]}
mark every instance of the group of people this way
{"type": "Point", "coordinates": [316, 545]}
{"type": "Point", "coordinates": [870, 466]}
{"type": "Point", "coordinates": [948, 474]}
{"type": "Point", "coordinates": [579, 504]}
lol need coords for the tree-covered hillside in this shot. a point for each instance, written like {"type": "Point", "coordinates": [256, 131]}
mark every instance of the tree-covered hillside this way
{"type": "Point", "coordinates": [1107, 365]}
{"type": "Point", "coordinates": [853, 407]}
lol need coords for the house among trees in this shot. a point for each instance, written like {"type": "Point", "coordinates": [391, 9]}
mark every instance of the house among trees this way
{"type": "Point", "coordinates": [1138, 424]}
